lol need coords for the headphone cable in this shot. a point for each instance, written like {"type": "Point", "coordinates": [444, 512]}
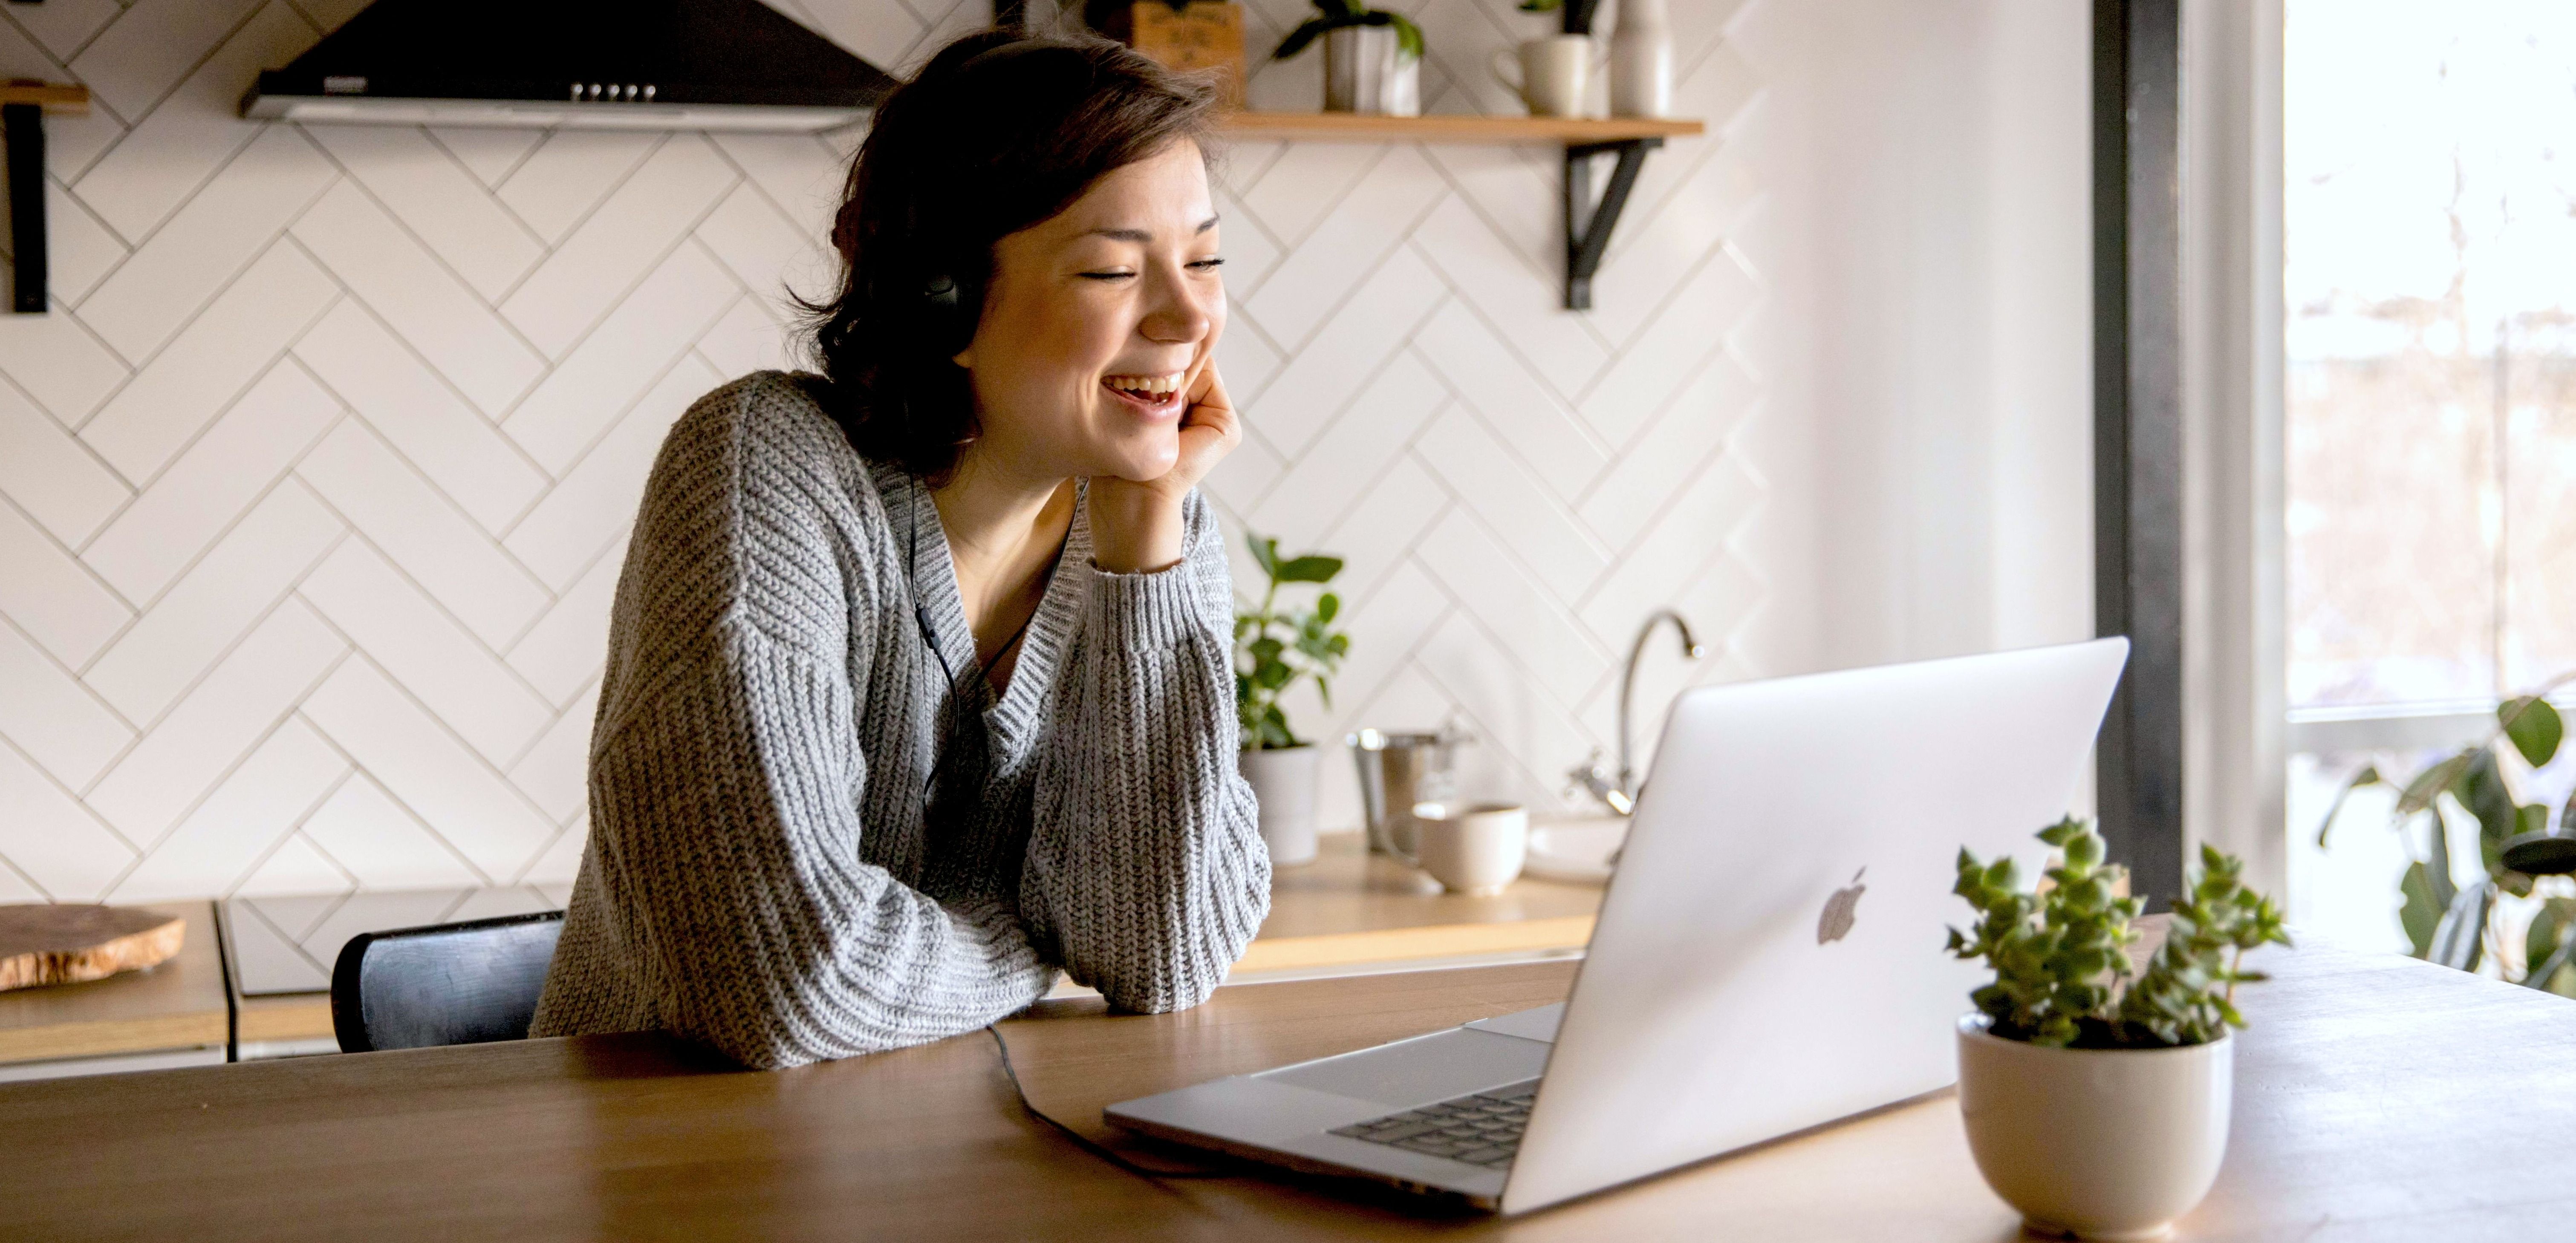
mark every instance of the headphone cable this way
{"type": "Point", "coordinates": [1085, 1142]}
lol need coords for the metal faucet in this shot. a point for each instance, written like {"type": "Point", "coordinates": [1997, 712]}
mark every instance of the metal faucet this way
{"type": "Point", "coordinates": [1619, 792]}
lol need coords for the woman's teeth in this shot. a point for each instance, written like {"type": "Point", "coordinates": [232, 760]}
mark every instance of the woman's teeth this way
{"type": "Point", "coordinates": [1150, 385]}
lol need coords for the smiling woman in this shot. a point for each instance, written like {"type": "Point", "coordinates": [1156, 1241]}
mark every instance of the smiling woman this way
{"type": "Point", "coordinates": [918, 687]}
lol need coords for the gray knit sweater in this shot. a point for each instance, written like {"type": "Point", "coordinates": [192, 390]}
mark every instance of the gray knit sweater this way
{"type": "Point", "coordinates": [765, 873]}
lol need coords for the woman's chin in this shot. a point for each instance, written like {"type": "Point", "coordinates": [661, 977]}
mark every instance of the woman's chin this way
{"type": "Point", "coordinates": [1141, 463]}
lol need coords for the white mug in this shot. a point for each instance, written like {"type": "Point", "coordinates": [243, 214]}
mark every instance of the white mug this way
{"type": "Point", "coordinates": [1472, 850]}
{"type": "Point", "coordinates": [1555, 74]}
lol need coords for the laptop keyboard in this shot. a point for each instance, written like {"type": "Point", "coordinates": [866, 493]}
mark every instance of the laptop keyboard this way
{"type": "Point", "coordinates": [1482, 1129]}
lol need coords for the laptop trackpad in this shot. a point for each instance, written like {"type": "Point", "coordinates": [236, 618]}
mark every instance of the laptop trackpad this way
{"type": "Point", "coordinates": [1538, 1024]}
{"type": "Point", "coordinates": [1421, 1070]}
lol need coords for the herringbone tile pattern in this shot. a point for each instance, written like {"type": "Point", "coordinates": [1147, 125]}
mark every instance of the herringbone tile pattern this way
{"type": "Point", "coordinates": [314, 485]}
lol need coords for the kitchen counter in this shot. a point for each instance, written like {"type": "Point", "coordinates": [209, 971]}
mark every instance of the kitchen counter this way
{"type": "Point", "coordinates": [1347, 913]}
{"type": "Point", "coordinates": [173, 1014]}
{"type": "Point", "coordinates": [1351, 911]}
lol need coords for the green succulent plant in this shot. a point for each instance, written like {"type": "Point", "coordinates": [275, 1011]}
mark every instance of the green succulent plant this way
{"type": "Point", "coordinates": [2063, 978]}
{"type": "Point", "coordinates": [1273, 647]}
{"type": "Point", "coordinates": [1335, 14]}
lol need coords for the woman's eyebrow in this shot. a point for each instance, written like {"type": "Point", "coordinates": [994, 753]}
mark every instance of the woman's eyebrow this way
{"type": "Point", "coordinates": [1141, 236]}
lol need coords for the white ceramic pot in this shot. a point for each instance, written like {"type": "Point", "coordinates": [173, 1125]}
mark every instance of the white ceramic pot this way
{"type": "Point", "coordinates": [2097, 1143]}
{"type": "Point", "coordinates": [1283, 782]}
{"type": "Point", "coordinates": [1366, 71]}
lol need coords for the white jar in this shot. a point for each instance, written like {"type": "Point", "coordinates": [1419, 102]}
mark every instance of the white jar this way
{"type": "Point", "coordinates": [1641, 61]}
{"type": "Point", "coordinates": [2102, 1143]}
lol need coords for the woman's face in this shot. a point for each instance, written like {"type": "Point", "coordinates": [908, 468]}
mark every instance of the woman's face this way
{"type": "Point", "coordinates": [1095, 320]}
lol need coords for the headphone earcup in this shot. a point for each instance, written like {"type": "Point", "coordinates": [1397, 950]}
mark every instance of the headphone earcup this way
{"type": "Point", "coordinates": [944, 315]}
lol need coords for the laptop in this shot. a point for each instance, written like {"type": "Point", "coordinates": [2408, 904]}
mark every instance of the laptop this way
{"type": "Point", "coordinates": [1768, 958]}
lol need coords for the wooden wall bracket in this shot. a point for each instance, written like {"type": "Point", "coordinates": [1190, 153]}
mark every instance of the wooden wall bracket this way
{"type": "Point", "coordinates": [23, 105]}
{"type": "Point", "coordinates": [1588, 226]}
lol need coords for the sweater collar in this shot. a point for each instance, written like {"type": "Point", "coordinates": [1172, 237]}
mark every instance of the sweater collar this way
{"type": "Point", "coordinates": [921, 543]}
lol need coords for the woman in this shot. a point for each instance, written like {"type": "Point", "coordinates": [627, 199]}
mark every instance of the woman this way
{"type": "Point", "coordinates": [919, 681]}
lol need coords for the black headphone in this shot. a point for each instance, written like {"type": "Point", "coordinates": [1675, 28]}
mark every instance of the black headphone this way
{"type": "Point", "coordinates": [943, 313]}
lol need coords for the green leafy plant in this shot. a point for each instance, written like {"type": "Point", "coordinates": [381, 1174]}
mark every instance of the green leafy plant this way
{"type": "Point", "coordinates": [2466, 926]}
{"type": "Point", "coordinates": [1335, 14]}
{"type": "Point", "coordinates": [1273, 647]}
{"type": "Point", "coordinates": [2061, 954]}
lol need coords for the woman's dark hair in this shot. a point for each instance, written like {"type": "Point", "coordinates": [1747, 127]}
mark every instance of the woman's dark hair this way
{"type": "Point", "coordinates": [998, 132]}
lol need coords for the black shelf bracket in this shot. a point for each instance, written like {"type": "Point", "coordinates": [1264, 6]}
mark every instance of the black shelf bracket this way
{"type": "Point", "coordinates": [23, 105]}
{"type": "Point", "coordinates": [1587, 225]}
{"type": "Point", "coordinates": [24, 127]}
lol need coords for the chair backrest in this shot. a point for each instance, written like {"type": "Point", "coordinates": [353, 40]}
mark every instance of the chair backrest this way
{"type": "Point", "coordinates": [444, 984]}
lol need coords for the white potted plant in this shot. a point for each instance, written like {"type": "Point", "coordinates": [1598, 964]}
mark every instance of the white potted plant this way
{"type": "Point", "coordinates": [1372, 57]}
{"type": "Point", "coordinates": [2095, 1094]}
{"type": "Point", "coordinates": [1273, 648]}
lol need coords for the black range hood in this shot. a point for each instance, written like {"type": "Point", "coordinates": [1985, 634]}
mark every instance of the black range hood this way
{"type": "Point", "coordinates": [600, 64]}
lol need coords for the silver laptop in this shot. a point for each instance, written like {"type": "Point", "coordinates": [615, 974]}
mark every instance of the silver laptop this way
{"type": "Point", "coordinates": [1768, 957]}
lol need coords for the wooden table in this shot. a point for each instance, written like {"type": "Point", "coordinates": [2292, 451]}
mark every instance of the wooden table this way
{"type": "Point", "coordinates": [170, 1013]}
{"type": "Point", "coordinates": [2378, 1099]}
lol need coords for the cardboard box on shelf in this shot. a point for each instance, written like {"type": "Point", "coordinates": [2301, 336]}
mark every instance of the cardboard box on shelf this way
{"type": "Point", "coordinates": [1191, 36]}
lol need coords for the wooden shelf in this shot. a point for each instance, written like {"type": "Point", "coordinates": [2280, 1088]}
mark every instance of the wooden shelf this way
{"type": "Point", "coordinates": [1355, 127]}
{"type": "Point", "coordinates": [68, 99]}
{"type": "Point", "coordinates": [1587, 226]}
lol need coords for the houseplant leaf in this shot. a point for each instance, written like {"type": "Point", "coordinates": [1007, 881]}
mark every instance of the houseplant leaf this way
{"type": "Point", "coordinates": [2368, 776]}
{"type": "Point", "coordinates": [2534, 727]}
{"type": "Point", "coordinates": [2481, 789]}
{"type": "Point", "coordinates": [1408, 37]}
{"type": "Point", "coordinates": [1311, 568]}
{"type": "Point", "coordinates": [2552, 934]}
{"type": "Point", "coordinates": [2437, 874]}
{"type": "Point", "coordinates": [2430, 783]}
{"type": "Point", "coordinates": [2460, 937]}
{"type": "Point", "coordinates": [2421, 913]}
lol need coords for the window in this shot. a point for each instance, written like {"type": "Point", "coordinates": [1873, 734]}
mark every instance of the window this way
{"type": "Point", "coordinates": [2429, 222]}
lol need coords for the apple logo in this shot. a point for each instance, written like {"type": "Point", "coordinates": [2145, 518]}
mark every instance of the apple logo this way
{"type": "Point", "coordinates": [1836, 922]}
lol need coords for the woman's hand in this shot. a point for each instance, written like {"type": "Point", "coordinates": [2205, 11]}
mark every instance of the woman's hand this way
{"type": "Point", "coordinates": [1136, 525]}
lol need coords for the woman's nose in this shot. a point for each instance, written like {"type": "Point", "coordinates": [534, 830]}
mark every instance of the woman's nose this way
{"type": "Point", "coordinates": [1182, 312]}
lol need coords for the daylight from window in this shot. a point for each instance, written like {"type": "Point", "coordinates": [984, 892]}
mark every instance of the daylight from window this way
{"type": "Point", "coordinates": [2429, 221]}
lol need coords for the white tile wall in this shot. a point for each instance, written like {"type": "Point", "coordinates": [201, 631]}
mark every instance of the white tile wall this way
{"type": "Point", "coordinates": [314, 484]}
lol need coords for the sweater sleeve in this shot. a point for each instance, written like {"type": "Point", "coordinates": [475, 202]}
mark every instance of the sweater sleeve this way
{"type": "Point", "coordinates": [725, 809]}
{"type": "Point", "coordinates": [1146, 875]}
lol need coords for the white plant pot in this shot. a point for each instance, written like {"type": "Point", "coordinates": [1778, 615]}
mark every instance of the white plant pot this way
{"type": "Point", "coordinates": [1283, 781]}
{"type": "Point", "coordinates": [2096, 1143]}
{"type": "Point", "coordinates": [1366, 71]}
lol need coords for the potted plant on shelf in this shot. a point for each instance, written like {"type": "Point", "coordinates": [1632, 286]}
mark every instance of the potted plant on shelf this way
{"type": "Point", "coordinates": [1372, 57]}
{"type": "Point", "coordinates": [2095, 1094]}
{"type": "Point", "coordinates": [1273, 648]}
{"type": "Point", "coordinates": [2464, 926]}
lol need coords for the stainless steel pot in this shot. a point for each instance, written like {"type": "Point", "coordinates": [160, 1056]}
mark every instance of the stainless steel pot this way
{"type": "Point", "coordinates": [1400, 772]}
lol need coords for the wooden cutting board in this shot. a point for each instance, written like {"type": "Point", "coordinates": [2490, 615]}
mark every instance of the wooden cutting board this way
{"type": "Point", "coordinates": [65, 943]}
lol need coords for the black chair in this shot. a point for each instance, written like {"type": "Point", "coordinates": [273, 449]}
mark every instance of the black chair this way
{"type": "Point", "coordinates": [467, 983]}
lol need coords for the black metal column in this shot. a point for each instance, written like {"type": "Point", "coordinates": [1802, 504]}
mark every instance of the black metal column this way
{"type": "Point", "coordinates": [2137, 428]}
{"type": "Point", "coordinates": [24, 127]}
